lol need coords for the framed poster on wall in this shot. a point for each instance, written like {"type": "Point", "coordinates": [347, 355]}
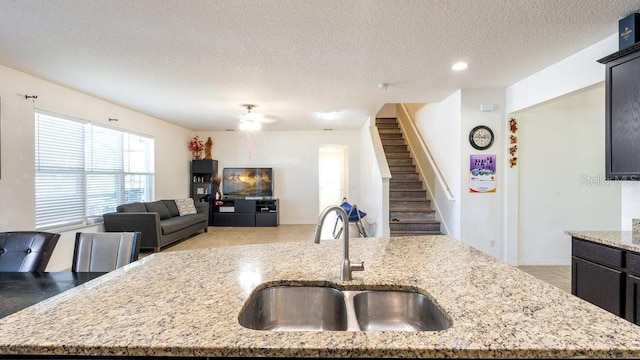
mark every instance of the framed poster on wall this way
{"type": "Point", "coordinates": [482, 173]}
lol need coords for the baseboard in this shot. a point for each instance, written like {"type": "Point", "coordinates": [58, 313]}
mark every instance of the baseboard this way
{"type": "Point", "coordinates": [544, 262]}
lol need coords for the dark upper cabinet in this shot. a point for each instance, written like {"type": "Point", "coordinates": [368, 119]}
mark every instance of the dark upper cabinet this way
{"type": "Point", "coordinates": [623, 114]}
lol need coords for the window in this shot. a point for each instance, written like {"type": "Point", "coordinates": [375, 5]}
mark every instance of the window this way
{"type": "Point", "coordinates": [84, 170]}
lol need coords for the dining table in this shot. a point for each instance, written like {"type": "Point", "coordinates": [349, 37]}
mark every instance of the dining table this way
{"type": "Point", "coordinates": [19, 290]}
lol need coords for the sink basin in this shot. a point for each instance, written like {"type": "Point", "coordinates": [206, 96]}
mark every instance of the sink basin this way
{"type": "Point", "coordinates": [323, 308]}
{"type": "Point", "coordinates": [397, 311]}
{"type": "Point", "coordinates": [295, 308]}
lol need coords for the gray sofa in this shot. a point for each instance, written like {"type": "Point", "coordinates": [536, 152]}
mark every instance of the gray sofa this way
{"type": "Point", "coordinates": [159, 222]}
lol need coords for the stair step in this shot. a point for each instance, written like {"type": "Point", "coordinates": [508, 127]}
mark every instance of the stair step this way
{"type": "Point", "coordinates": [409, 185]}
{"type": "Point", "coordinates": [390, 136]}
{"type": "Point", "coordinates": [407, 194]}
{"type": "Point", "coordinates": [414, 204]}
{"type": "Point", "coordinates": [422, 225]}
{"type": "Point", "coordinates": [389, 131]}
{"type": "Point", "coordinates": [405, 177]}
{"type": "Point", "coordinates": [393, 142]}
{"type": "Point", "coordinates": [386, 126]}
{"type": "Point", "coordinates": [395, 148]}
{"type": "Point", "coordinates": [402, 169]}
{"type": "Point", "coordinates": [383, 120]}
{"type": "Point", "coordinates": [414, 233]}
{"type": "Point", "coordinates": [411, 215]}
{"type": "Point", "coordinates": [398, 155]}
{"type": "Point", "coordinates": [400, 162]}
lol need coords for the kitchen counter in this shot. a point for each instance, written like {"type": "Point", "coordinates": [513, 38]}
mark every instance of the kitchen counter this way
{"type": "Point", "coordinates": [186, 303]}
{"type": "Point", "coordinates": [618, 239]}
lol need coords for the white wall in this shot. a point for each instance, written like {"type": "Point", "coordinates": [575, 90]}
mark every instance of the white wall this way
{"type": "Point", "coordinates": [577, 72]}
{"type": "Point", "coordinates": [294, 157]}
{"type": "Point", "coordinates": [561, 176]}
{"type": "Point", "coordinates": [374, 181]}
{"type": "Point", "coordinates": [17, 209]}
{"type": "Point", "coordinates": [439, 125]}
{"type": "Point", "coordinates": [481, 214]}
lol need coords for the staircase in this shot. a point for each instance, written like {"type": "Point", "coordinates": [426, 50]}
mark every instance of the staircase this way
{"type": "Point", "coordinates": [410, 210]}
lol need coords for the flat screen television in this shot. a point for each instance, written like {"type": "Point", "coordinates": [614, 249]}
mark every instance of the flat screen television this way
{"type": "Point", "coordinates": [247, 182]}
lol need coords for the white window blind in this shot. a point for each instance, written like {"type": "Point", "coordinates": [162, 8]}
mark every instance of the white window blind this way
{"type": "Point", "coordinates": [84, 170]}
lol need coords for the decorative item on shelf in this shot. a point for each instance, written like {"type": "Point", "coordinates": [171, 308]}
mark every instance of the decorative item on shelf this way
{"type": "Point", "coordinates": [513, 139]}
{"type": "Point", "coordinates": [628, 28]}
{"type": "Point", "coordinates": [207, 148]}
{"type": "Point", "coordinates": [216, 181]}
{"type": "Point", "coordinates": [513, 149]}
{"type": "Point", "coordinates": [196, 146]}
{"type": "Point", "coordinates": [513, 161]}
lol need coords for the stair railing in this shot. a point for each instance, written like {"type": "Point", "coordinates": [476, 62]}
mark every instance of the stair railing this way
{"type": "Point", "coordinates": [427, 166]}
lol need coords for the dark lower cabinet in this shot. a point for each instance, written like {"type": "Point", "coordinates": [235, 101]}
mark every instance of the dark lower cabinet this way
{"type": "Point", "coordinates": [633, 288]}
{"type": "Point", "coordinates": [242, 212]}
{"type": "Point", "coordinates": [606, 276]}
{"type": "Point", "coordinates": [597, 284]}
{"type": "Point", "coordinates": [633, 299]}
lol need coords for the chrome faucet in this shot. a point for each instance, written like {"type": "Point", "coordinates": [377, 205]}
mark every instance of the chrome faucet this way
{"type": "Point", "coordinates": [347, 267]}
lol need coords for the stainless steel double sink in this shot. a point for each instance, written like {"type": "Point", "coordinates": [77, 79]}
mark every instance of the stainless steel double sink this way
{"type": "Point", "coordinates": [324, 308]}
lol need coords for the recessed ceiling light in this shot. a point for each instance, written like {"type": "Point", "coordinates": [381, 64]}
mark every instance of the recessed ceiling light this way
{"type": "Point", "coordinates": [459, 66]}
{"type": "Point", "coordinates": [329, 115]}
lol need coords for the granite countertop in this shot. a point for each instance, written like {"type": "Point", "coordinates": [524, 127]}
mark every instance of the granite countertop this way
{"type": "Point", "coordinates": [618, 239]}
{"type": "Point", "coordinates": [186, 303]}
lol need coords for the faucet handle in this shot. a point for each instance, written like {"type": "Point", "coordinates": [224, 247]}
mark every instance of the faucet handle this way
{"type": "Point", "coordinates": [357, 266]}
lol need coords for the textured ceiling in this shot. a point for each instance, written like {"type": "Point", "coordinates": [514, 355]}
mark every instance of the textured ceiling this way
{"type": "Point", "coordinates": [194, 63]}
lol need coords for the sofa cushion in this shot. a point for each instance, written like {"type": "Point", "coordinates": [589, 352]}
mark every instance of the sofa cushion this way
{"type": "Point", "coordinates": [133, 207]}
{"type": "Point", "coordinates": [186, 206]}
{"type": "Point", "coordinates": [159, 207]}
{"type": "Point", "coordinates": [178, 223]}
{"type": "Point", "coordinates": [173, 209]}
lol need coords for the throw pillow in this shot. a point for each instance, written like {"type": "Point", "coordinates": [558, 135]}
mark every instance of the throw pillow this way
{"type": "Point", "coordinates": [173, 209]}
{"type": "Point", "coordinates": [160, 208]}
{"type": "Point", "coordinates": [186, 206]}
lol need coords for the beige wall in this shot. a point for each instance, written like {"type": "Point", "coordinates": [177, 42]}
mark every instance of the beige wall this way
{"type": "Point", "coordinates": [294, 157]}
{"type": "Point", "coordinates": [17, 208]}
{"type": "Point", "coordinates": [561, 176]}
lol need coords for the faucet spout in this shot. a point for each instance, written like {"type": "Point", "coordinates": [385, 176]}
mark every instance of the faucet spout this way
{"type": "Point", "coordinates": [347, 267]}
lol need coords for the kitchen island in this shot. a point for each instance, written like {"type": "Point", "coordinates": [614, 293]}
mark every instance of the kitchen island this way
{"type": "Point", "coordinates": [186, 303]}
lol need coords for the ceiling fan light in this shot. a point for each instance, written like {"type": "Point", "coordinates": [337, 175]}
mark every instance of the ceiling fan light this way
{"type": "Point", "coordinates": [251, 116]}
{"type": "Point", "coordinates": [249, 125]}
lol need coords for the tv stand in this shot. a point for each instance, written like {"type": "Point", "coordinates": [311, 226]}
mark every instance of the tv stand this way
{"type": "Point", "coordinates": [245, 212]}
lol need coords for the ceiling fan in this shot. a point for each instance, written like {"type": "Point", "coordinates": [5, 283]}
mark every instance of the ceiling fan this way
{"type": "Point", "coordinates": [252, 121]}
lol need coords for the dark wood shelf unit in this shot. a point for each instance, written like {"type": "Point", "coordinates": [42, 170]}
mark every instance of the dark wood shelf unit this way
{"type": "Point", "coordinates": [203, 189]}
{"type": "Point", "coordinates": [246, 212]}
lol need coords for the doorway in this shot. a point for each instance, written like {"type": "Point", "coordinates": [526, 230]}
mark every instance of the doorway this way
{"type": "Point", "coordinates": [332, 181]}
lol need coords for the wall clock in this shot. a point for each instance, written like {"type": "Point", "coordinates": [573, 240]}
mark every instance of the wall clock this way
{"type": "Point", "coordinates": [481, 137]}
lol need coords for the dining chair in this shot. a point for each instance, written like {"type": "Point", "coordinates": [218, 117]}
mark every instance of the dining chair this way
{"type": "Point", "coordinates": [22, 251]}
{"type": "Point", "coordinates": [104, 252]}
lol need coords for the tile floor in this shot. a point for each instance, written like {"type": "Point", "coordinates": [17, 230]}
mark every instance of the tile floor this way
{"type": "Point", "coordinates": [559, 276]}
